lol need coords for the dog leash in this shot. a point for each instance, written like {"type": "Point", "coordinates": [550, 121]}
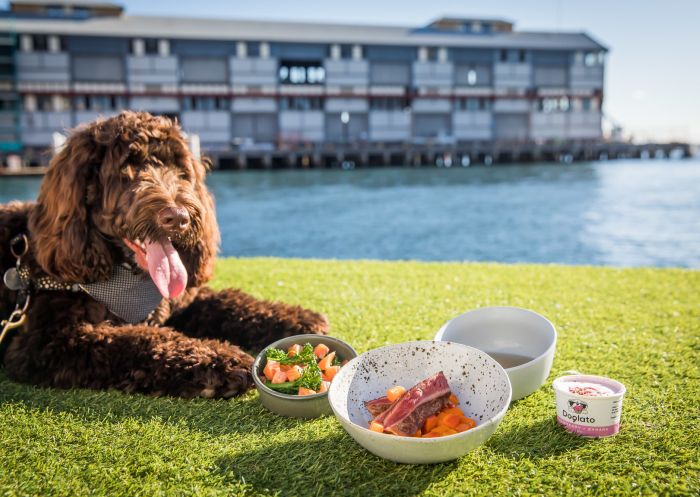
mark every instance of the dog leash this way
{"type": "Point", "coordinates": [13, 281]}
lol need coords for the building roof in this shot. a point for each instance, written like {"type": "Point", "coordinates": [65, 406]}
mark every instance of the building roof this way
{"type": "Point", "coordinates": [76, 3]}
{"type": "Point", "coordinates": [300, 32]}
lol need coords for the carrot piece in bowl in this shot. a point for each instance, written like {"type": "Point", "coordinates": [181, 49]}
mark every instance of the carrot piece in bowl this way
{"type": "Point", "coordinates": [306, 391]}
{"type": "Point", "coordinates": [394, 393]}
{"type": "Point", "coordinates": [451, 420]}
{"type": "Point", "coordinates": [378, 427]}
{"type": "Point", "coordinates": [430, 423]}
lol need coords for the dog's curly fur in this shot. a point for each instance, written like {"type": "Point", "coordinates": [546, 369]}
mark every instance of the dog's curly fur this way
{"type": "Point", "coordinates": [109, 183]}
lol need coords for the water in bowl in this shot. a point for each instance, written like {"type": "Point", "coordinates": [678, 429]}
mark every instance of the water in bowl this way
{"type": "Point", "coordinates": [509, 360]}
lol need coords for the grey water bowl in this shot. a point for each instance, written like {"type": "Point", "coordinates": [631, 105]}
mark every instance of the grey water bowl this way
{"type": "Point", "coordinates": [506, 333]}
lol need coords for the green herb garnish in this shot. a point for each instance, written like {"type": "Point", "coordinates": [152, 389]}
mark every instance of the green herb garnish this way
{"type": "Point", "coordinates": [311, 376]}
{"type": "Point", "coordinates": [305, 356]}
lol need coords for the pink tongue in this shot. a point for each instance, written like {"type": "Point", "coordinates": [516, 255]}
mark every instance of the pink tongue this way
{"type": "Point", "coordinates": [166, 268]}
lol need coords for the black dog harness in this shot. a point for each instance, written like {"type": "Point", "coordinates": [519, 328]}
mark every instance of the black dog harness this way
{"type": "Point", "coordinates": [128, 294]}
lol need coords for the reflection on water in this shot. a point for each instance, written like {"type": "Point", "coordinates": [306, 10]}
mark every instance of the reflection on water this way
{"type": "Point", "coordinates": [616, 213]}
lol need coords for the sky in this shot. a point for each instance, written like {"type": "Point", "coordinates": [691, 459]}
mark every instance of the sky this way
{"type": "Point", "coordinates": [653, 69]}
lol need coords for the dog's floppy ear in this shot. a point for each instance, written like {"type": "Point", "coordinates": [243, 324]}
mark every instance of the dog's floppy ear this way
{"type": "Point", "coordinates": [200, 260]}
{"type": "Point", "coordinates": [63, 239]}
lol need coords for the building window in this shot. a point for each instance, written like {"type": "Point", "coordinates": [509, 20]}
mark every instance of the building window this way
{"type": "Point", "coordinates": [99, 103]}
{"type": "Point", "coordinates": [151, 46]}
{"type": "Point", "coordinates": [432, 54]}
{"type": "Point", "coordinates": [390, 104]}
{"type": "Point", "coordinates": [557, 104]}
{"type": "Point", "coordinates": [44, 103]}
{"type": "Point", "coordinates": [521, 56]}
{"type": "Point", "coordinates": [346, 51]}
{"type": "Point", "coordinates": [81, 12]}
{"type": "Point", "coordinates": [590, 59]}
{"type": "Point", "coordinates": [55, 11]}
{"type": "Point", "coordinates": [586, 104]}
{"type": "Point", "coordinates": [301, 103]}
{"type": "Point", "coordinates": [253, 49]}
{"type": "Point", "coordinates": [473, 104]}
{"type": "Point", "coordinates": [205, 103]}
{"type": "Point", "coordinates": [40, 43]}
{"type": "Point", "coordinates": [301, 73]}
{"type": "Point", "coordinates": [471, 77]}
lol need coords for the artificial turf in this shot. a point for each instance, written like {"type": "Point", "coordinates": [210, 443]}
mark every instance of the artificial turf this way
{"type": "Point", "coordinates": [640, 326]}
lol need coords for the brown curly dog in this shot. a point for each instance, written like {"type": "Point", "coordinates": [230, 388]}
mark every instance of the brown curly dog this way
{"type": "Point", "coordinates": [122, 238]}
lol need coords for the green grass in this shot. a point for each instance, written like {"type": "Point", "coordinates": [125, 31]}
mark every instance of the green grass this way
{"type": "Point", "coordinates": [640, 326]}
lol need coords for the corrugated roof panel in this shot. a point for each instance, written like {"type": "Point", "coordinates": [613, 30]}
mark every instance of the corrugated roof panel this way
{"type": "Point", "coordinates": [193, 28]}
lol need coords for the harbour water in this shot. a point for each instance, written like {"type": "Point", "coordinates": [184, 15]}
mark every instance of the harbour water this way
{"type": "Point", "coordinates": [621, 213]}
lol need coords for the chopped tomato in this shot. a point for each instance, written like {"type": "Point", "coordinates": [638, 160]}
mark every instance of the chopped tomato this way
{"type": "Point", "coordinates": [306, 391]}
{"type": "Point", "coordinates": [330, 372]}
{"type": "Point", "coordinates": [394, 393]}
{"type": "Point", "coordinates": [324, 386]}
{"type": "Point", "coordinates": [270, 369]}
{"type": "Point", "coordinates": [321, 350]}
{"type": "Point", "coordinates": [326, 362]}
{"type": "Point", "coordinates": [294, 373]}
{"type": "Point", "coordinates": [280, 377]}
{"type": "Point", "coordinates": [294, 350]}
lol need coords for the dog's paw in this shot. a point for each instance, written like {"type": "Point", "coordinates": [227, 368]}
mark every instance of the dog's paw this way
{"type": "Point", "coordinates": [226, 377]}
{"type": "Point", "coordinates": [311, 323]}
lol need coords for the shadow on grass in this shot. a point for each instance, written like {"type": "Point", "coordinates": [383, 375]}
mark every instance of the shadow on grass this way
{"type": "Point", "coordinates": [536, 440]}
{"type": "Point", "coordinates": [334, 465]}
{"type": "Point", "coordinates": [213, 417]}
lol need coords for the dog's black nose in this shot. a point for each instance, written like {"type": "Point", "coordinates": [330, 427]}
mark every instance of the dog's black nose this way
{"type": "Point", "coordinates": [174, 219]}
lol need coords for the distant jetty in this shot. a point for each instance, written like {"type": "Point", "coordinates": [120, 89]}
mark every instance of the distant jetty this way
{"type": "Point", "coordinates": [333, 156]}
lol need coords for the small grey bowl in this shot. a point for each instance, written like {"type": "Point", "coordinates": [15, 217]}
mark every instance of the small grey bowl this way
{"type": "Point", "coordinates": [307, 406]}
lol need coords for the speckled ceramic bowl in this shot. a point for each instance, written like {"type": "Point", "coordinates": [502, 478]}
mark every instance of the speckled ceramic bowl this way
{"type": "Point", "coordinates": [479, 382]}
{"type": "Point", "coordinates": [307, 406]}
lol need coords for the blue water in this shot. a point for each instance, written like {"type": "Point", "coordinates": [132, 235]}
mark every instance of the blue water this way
{"type": "Point", "coordinates": [620, 213]}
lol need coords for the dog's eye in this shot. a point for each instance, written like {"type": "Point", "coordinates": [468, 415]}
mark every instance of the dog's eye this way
{"type": "Point", "coordinates": [128, 172]}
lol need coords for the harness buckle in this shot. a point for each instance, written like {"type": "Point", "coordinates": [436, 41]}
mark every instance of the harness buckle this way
{"type": "Point", "coordinates": [16, 320]}
{"type": "Point", "coordinates": [19, 245]}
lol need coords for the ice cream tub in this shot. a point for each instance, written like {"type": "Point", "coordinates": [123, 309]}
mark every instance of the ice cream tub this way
{"type": "Point", "coordinates": [589, 406]}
